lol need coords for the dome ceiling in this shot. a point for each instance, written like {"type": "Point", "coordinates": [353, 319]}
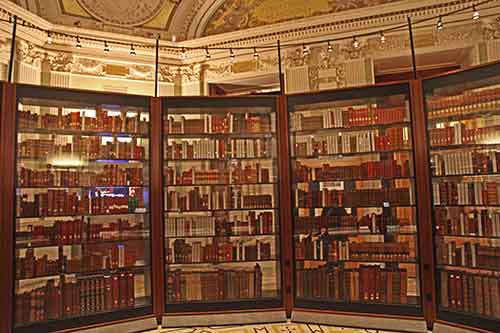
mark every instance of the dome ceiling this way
{"type": "Point", "coordinates": [186, 19]}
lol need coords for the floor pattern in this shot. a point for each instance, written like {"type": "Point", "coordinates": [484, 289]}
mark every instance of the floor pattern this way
{"type": "Point", "coordinates": [273, 328]}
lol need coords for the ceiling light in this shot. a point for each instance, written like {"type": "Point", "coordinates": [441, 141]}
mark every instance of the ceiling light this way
{"type": "Point", "coordinates": [440, 23]}
{"type": "Point", "coordinates": [208, 56]}
{"type": "Point", "coordinates": [174, 38]}
{"type": "Point", "coordinates": [132, 50]}
{"type": "Point", "coordinates": [78, 44]}
{"type": "Point", "coordinates": [49, 38]}
{"type": "Point", "coordinates": [330, 47]}
{"type": "Point", "coordinates": [305, 50]}
{"type": "Point", "coordinates": [106, 47]}
{"type": "Point", "coordinates": [382, 37]}
{"type": "Point", "coordinates": [355, 42]}
{"type": "Point", "coordinates": [231, 55]}
{"type": "Point", "coordinates": [183, 53]}
{"type": "Point", "coordinates": [475, 14]}
{"type": "Point", "coordinates": [255, 54]}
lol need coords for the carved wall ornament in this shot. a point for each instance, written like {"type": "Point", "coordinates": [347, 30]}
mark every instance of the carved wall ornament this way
{"type": "Point", "coordinates": [190, 73]}
{"type": "Point", "coordinates": [141, 72]}
{"type": "Point", "coordinates": [28, 54]}
{"type": "Point", "coordinates": [89, 67]}
{"type": "Point", "coordinates": [61, 62]}
{"type": "Point", "coordinates": [168, 73]}
{"type": "Point", "coordinates": [492, 30]}
{"type": "Point", "coordinates": [123, 12]}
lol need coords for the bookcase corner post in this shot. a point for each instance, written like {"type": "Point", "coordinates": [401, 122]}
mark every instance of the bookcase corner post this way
{"type": "Point", "coordinates": [158, 233]}
{"type": "Point", "coordinates": [7, 150]}
{"type": "Point", "coordinates": [285, 205]}
{"type": "Point", "coordinates": [423, 202]}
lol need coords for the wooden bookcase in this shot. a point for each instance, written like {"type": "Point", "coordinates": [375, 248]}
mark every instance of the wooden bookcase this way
{"type": "Point", "coordinates": [463, 121]}
{"type": "Point", "coordinates": [221, 203]}
{"type": "Point", "coordinates": [82, 215]}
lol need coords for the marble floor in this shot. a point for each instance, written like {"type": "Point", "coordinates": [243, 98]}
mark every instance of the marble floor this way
{"type": "Point", "coordinates": [272, 328]}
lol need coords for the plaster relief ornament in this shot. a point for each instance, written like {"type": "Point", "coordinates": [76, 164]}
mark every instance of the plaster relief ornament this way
{"type": "Point", "coordinates": [123, 12]}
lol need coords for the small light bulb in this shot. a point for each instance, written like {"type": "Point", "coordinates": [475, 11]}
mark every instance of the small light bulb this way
{"type": "Point", "coordinates": [132, 50]}
{"type": "Point", "coordinates": [183, 53]}
{"type": "Point", "coordinates": [305, 50]}
{"type": "Point", "coordinates": [106, 47]}
{"type": "Point", "coordinates": [208, 56]}
{"type": "Point", "coordinates": [475, 14]}
{"type": "Point", "coordinates": [255, 54]}
{"type": "Point", "coordinates": [231, 55]}
{"type": "Point", "coordinates": [355, 42]}
{"type": "Point", "coordinates": [174, 38]}
{"type": "Point", "coordinates": [78, 44]}
{"type": "Point", "coordinates": [330, 47]}
{"type": "Point", "coordinates": [440, 23]}
{"type": "Point", "coordinates": [382, 37]}
{"type": "Point", "coordinates": [49, 38]}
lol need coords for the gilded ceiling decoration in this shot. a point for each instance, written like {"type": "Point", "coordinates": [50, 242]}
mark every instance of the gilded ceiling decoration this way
{"type": "Point", "coordinates": [122, 12]}
{"type": "Point", "coordinates": [242, 14]}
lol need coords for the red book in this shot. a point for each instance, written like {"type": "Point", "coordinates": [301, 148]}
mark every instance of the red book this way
{"type": "Point", "coordinates": [123, 290]}
{"type": "Point", "coordinates": [108, 294]}
{"type": "Point", "coordinates": [130, 289]}
{"type": "Point", "coordinates": [115, 290]}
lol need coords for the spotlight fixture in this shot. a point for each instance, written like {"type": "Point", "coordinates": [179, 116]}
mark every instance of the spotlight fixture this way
{"type": "Point", "coordinates": [255, 54]}
{"type": "Point", "coordinates": [49, 38]}
{"type": "Point", "coordinates": [382, 37]}
{"type": "Point", "coordinates": [208, 56]}
{"type": "Point", "coordinates": [475, 14]}
{"type": "Point", "coordinates": [355, 42]}
{"type": "Point", "coordinates": [78, 44]}
{"type": "Point", "coordinates": [231, 55]}
{"type": "Point", "coordinates": [440, 23]}
{"type": "Point", "coordinates": [330, 47]}
{"type": "Point", "coordinates": [132, 50]}
{"type": "Point", "coordinates": [106, 47]}
{"type": "Point", "coordinates": [305, 50]}
{"type": "Point", "coordinates": [183, 53]}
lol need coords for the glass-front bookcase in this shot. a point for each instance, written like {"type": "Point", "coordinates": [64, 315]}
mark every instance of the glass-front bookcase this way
{"type": "Point", "coordinates": [221, 204]}
{"type": "Point", "coordinates": [353, 201]}
{"type": "Point", "coordinates": [82, 226]}
{"type": "Point", "coordinates": [463, 120]}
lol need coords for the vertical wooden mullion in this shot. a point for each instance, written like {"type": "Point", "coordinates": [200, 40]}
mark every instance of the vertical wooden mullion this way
{"type": "Point", "coordinates": [7, 204]}
{"type": "Point", "coordinates": [424, 209]}
{"type": "Point", "coordinates": [157, 223]}
{"type": "Point", "coordinates": [285, 207]}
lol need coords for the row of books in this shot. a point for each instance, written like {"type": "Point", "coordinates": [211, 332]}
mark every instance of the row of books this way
{"type": "Point", "coordinates": [471, 293]}
{"type": "Point", "coordinates": [366, 284]}
{"type": "Point", "coordinates": [63, 202]}
{"type": "Point", "coordinates": [466, 193]}
{"type": "Point", "coordinates": [326, 248]}
{"type": "Point", "coordinates": [353, 142]}
{"type": "Point", "coordinates": [367, 170]}
{"type": "Point", "coordinates": [226, 197]}
{"type": "Point", "coordinates": [77, 231]}
{"type": "Point", "coordinates": [111, 175]}
{"type": "Point", "coordinates": [235, 174]}
{"type": "Point", "coordinates": [218, 123]}
{"type": "Point", "coordinates": [80, 120]}
{"type": "Point", "coordinates": [217, 250]}
{"type": "Point", "coordinates": [468, 254]}
{"type": "Point", "coordinates": [105, 257]}
{"type": "Point", "coordinates": [82, 148]}
{"type": "Point", "coordinates": [369, 223]}
{"type": "Point", "coordinates": [459, 134]}
{"type": "Point", "coordinates": [68, 299]}
{"type": "Point", "coordinates": [361, 115]}
{"type": "Point", "coordinates": [356, 198]}
{"type": "Point", "coordinates": [214, 285]}
{"type": "Point", "coordinates": [467, 102]}
{"type": "Point", "coordinates": [465, 163]}
{"type": "Point", "coordinates": [29, 266]}
{"type": "Point", "coordinates": [219, 149]}
{"type": "Point", "coordinates": [477, 222]}
{"type": "Point", "coordinates": [236, 224]}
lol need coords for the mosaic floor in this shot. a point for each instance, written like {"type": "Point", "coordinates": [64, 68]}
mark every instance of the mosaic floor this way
{"type": "Point", "coordinates": [272, 328]}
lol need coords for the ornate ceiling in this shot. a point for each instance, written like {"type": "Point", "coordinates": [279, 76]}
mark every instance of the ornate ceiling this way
{"type": "Point", "coordinates": [185, 19]}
